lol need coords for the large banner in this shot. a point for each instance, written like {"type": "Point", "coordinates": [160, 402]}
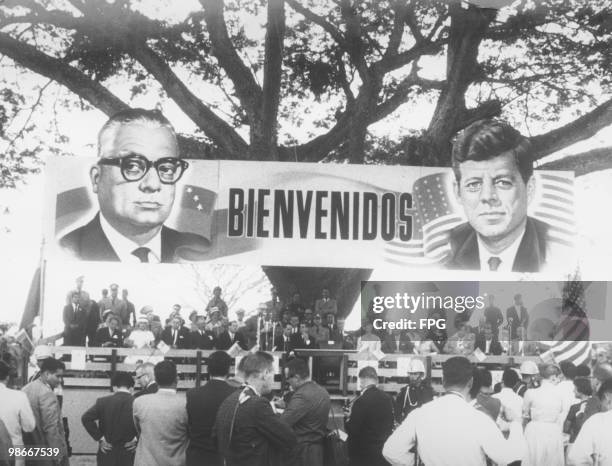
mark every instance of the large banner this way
{"type": "Point", "coordinates": [295, 214]}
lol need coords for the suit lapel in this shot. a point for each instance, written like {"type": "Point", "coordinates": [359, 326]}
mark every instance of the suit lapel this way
{"type": "Point", "coordinates": [94, 243]}
{"type": "Point", "coordinates": [530, 250]}
{"type": "Point", "coordinates": [467, 256]}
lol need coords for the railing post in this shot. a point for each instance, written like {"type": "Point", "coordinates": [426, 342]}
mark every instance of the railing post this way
{"type": "Point", "coordinates": [198, 368]}
{"type": "Point", "coordinates": [113, 365]}
{"type": "Point", "coordinates": [428, 367]}
{"type": "Point", "coordinates": [344, 374]}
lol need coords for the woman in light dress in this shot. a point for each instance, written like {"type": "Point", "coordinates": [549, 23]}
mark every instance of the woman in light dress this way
{"type": "Point", "coordinates": [543, 411]}
{"type": "Point", "coordinates": [368, 339]}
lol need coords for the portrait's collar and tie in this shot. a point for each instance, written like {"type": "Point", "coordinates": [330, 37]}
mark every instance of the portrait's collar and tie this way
{"type": "Point", "coordinates": [125, 247]}
{"type": "Point", "coordinates": [505, 259]}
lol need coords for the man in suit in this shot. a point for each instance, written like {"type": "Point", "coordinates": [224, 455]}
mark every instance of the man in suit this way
{"type": "Point", "coordinates": [15, 411]}
{"type": "Point", "coordinates": [370, 422]}
{"type": "Point", "coordinates": [135, 183]}
{"type": "Point", "coordinates": [326, 304]}
{"type": "Point", "coordinates": [111, 335]}
{"type": "Point", "coordinates": [232, 335]}
{"type": "Point", "coordinates": [282, 342]}
{"type": "Point", "coordinates": [202, 406]}
{"type": "Point", "coordinates": [487, 342]}
{"type": "Point", "coordinates": [303, 340]}
{"type": "Point", "coordinates": [201, 338]}
{"type": "Point", "coordinates": [493, 166]}
{"type": "Point", "coordinates": [110, 422]}
{"type": "Point", "coordinates": [49, 431]}
{"type": "Point", "coordinates": [517, 316]}
{"type": "Point", "coordinates": [75, 320]}
{"type": "Point", "coordinates": [145, 379]}
{"type": "Point", "coordinates": [247, 430]}
{"type": "Point", "coordinates": [493, 315]}
{"type": "Point", "coordinates": [307, 412]}
{"type": "Point", "coordinates": [161, 422]}
{"type": "Point", "coordinates": [128, 318]}
{"type": "Point", "coordinates": [176, 336]}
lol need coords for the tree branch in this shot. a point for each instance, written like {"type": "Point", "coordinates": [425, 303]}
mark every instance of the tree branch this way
{"type": "Point", "coordinates": [319, 21]}
{"type": "Point", "coordinates": [581, 128]}
{"type": "Point", "coordinates": [395, 38]}
{"type": "Point", "coordinates": [247, 89]}
{"type": "Point", "coordinates": [584, 163]}
{"type": "Point", "coordinates": [218, 130]}
{"type": "Point", "coordinates": [53, 68]}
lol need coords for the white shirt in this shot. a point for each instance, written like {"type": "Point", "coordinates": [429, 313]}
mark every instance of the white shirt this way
{"type": "Point", "coordinates": [449, 431]}
{"type": "Point", "coordinates": [593, 441]}
{"type": "Point", "coordinates": [507, 256]}
{"type": "Point", "coordinates": [370, 343]}
{"type": "Point", "coordinates": [543, 404]}
{"type": "Point", "coordinates": [16, 413]}
{"type": "Point", "coordinates": [142, 338]}
{"type": "Point", "coordinates": [124, 247]}
{"type": "Point", "coordinates": [568, 398]}
{"type": "Point", "coordinates": [512, 404]}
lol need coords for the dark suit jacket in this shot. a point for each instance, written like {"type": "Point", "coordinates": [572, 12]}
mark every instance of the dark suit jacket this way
{"type": "Point", "coordinates": [516, 319]}
{"type": "Point", "coordinates": [74, 336]}
{"type": "Point", "coordinates": [90, 243]}
{"type": "Point", "coordinates": [298, 342]}
{"type": "Point", "coordinates": [368, 427]}
{"type": "Point", "coordinates": [308, 412]}
{"type": "Point", "coordinates": [182, 340]}
{"type": "Point", "coordinates": [495, 348]}
{"type": "Point", "coordinates": [412, 395]}
{"type": "Point", "coordinates": [148, 390]}
{"type": "Point", "coordinates": [103, 336]}
{"type": "Point", "coordinates": [279, 342]}
{"type": "Point", "coordinates": [224, 342]}
{"type": "Point", "coordinates": [530, 256]}
{"type": "Point", "coordinates": [390, 345]}
{"type": "Point", "coordinates": [259, 437]}
{"type": "Point", "coordinates": [113, 415]}
{"type": "Point", "coordinates": [204, 341]}
{"type": "Point", "coordinates": [202, 406]}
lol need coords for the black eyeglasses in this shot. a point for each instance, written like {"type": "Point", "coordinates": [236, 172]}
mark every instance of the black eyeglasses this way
{"type": "Point", "coordinates": [134, 167]}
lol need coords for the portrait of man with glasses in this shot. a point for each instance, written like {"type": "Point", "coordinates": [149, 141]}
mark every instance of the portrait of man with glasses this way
{"type": "Point", "coordinates": [134, 180]}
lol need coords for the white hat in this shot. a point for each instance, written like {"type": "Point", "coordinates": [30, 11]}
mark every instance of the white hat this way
{"type": "Point", "coordinates": [43, 352]}
{"type": "Point", "coordinates": [416, 365]}
{"type": "Point", "coordinates": [142, 320]}
{"type": "Point", "coordinates": [529, 368]}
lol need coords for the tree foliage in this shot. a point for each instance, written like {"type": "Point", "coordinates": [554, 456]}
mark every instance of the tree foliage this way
{"type": "Point", "coordinates": [247, 73]}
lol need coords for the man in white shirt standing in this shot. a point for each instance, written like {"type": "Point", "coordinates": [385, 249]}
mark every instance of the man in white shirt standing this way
{"type": "Point", "coordinates": [15, 411]}
{"type": "Point", "coordinates": [593, 446]}
{"type": "Point", "coordinates": [448, 431]}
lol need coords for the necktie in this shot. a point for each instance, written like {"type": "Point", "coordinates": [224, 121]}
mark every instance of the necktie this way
{"type": "Point", "coordinates": [494, 262]}
{"type": "Point", "coordinates": [142, 254]}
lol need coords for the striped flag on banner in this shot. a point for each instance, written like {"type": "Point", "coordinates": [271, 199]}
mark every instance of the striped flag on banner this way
{"type": "Point", "coordinates": [554, 204]}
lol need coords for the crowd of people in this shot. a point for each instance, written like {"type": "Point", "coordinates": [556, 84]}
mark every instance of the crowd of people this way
{"type": "Point", "coordinates": [275, 325]}
{"type": "Point", "coordinates": [241, 421]}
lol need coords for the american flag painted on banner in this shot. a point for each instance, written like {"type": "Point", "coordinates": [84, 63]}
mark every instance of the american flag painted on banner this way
{"type": "Point", "coordinates": [436, 213]}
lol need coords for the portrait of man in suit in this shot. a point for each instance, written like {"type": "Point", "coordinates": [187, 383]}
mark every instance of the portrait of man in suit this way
{"type": "Point", "coordinates": [134, 180]}
{"type": "Point", "coordinates": [493, 168]}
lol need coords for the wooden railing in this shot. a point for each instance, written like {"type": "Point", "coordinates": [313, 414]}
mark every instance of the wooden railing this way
{"type": "Point", "coordinates": [192, 366]}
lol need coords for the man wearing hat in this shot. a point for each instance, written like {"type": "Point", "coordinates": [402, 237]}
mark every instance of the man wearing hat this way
{"type": "Point", "coordinates": [415, 394]}
{"type": "Point", "coordinates": [529, 372]}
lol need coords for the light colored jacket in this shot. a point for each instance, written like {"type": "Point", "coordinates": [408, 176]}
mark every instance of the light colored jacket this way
{"type": "Point", "coordinates": [16, 413]}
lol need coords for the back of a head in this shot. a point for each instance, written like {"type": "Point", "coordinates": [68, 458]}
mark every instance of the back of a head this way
{"type": "Point", "coordinates": [583, 385]}
{"type": "Point", "coordinates": [489, 138]}
{"type": "Point", "coordinates": [605, 390]}
{"type": "Point", "coordinates": [219, 364]}
{"type": "Point", "coordinates": [256, 363]}
{"type": "Point", "coordinates": [51, 365]}
{"type": "Point", "coordinates": [147, 368]}
{"type": "Point", "coordinates": [456, 372]}
{"type": "Point", "coordinates": [568, 369]}
{"type": "Point", "coordinates": [122, 380]}
{"type": "Point", "coordinates": [510, 378]}
{"type": "Point", "coordinates": [368, 373]}
{"type": "Point", "coordinates": [583, 371]}
{"type": "Point", "coordinates": [486, 379]}
{"type": "Point", "coordinates": [165, 373]}
{"type": "Point", "coordinates": [603, 372]}
{"type": "Point", "coordinates": [297, 366]}
{"type": "Point", "coordinates": [477, 382]}
{"type": "Point", "coordinates": [106, 136]}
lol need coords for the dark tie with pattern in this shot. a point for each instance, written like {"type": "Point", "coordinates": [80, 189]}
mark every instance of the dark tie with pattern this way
{"type": "Point", "coordinates": [494, 262]}
{"type": "Point", "coordinates": [142, 254]}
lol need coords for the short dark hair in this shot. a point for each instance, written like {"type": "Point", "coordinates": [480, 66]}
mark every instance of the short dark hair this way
{"type": "Point", "coordinates": [51, 365]}
{"type": "Point", "coordinates": [486, 379]}
{"type": "Point", "coordinates": [583, 371]}
{"type": "Point", "coordinates": [368, 372]}
{"type": "Point", "coordinates": [476, 382]}
{"type": "Point", "coordinates": [489, 138]}
{"type": "Point", "coordinates": [568, 369]}
{"type": "Point", "coordinates": [5, 370]}
{"type": "Point", "coordinates": [510, 378]}
{"type": "Point", "coordinates": [456, 372]}
{"type": "Point", "coordinates": [165, 373]}
{"type": "Point", "coordinates": [549, 370]}
{"type": "Point", "coordinates": [605, 389]}
{"type": "Point", "coordinates": [583, 385]}
{"type": "Point", "coordinates": [219, 364]}
{"type": "Point", "coordinates": [122, 379]}
{"type": "Point", "coordinates": [256, 363]}
{"type": "Point", "coordinates": [297, 366]}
